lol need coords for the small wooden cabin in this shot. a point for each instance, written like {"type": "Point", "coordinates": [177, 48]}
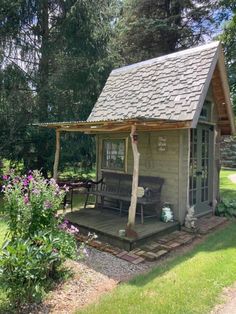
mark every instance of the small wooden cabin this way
{"type": "Point", "coordinates": [179, 105]}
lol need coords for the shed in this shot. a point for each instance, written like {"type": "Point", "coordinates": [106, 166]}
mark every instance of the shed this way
{"type": "Point", "coordinates": [176, 107]}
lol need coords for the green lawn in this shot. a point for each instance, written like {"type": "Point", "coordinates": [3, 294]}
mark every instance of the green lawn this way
{"type": "Point", "coordinates": [191, 283]}
{"type": "Point", "coordinates": [3, 229]}
{"type": "Point", "coordinates": [227, 188]}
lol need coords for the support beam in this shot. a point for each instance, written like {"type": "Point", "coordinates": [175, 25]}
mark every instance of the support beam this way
{"type": "Point", "coordinates": [57, 155]}
{"type": "Point", "coordinates": [134, 195]}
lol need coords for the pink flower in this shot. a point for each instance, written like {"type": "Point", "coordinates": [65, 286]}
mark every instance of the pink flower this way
{"type": "Point", "coordinates": [85, 252]}
{"type": "Point", "coordinates": [25, 182]}
{"type": "Point", "coordinates": [5, 177]}
{"type": "Point", "coordinates": [47, 204]}
{"type": "Point", "coordinates": [26, 199]}
{"type": "Point", "coordinates": [30, 177]}
{"type": "Point", "coordinates": [36, 191]}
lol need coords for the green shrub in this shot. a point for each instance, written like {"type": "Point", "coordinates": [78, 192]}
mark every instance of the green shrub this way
{"type": "Point", "coordinates": [31, 204]}
{"type": "Point", "coordinates": [26, 265]}
{"type": "Point", "coordinates": [38, 242]}
{"type": "Point", "coordinates": [226, 208]}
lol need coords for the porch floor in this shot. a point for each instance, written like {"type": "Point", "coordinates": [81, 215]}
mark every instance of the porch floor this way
{"type": "Point", "coordinates": [107, 223]}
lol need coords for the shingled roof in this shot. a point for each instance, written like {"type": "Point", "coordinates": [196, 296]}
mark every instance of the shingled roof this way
{"type": "Point", "coordinates": [172, 87]}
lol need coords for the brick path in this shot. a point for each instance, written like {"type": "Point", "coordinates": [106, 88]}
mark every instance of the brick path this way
{"type": "Point", "coordinates": [156, 249]}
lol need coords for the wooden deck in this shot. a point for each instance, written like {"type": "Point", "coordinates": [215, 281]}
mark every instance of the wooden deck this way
{"type": "Point", "coordinates": [106, 225]}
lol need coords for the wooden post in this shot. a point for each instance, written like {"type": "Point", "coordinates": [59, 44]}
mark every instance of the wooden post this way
{"type": "Point", "coordinates": [57, 155]}
{"type": "Point", "coordinates": [134, 195]}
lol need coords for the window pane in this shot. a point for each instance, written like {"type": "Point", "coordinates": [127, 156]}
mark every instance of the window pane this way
{"type": "Point", "coordinates": [114, 154]}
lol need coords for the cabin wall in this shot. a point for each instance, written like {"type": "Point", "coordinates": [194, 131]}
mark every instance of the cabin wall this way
{"type": "Point", "coordinates": [162, 154]}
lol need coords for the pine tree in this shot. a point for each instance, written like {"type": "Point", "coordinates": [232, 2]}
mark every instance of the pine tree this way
{"type": "Point", "coordinates": [150, 28]}
{"type": "Point", "coordinates": [61, 47]}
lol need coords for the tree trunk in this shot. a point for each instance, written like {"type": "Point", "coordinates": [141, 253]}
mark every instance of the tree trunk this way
{"type": "Point", "coordinates": [133, 203]}
{"type": "Point", "coordinates": [57, 156]}
{"type": "Point", "coordinates": [43, 99]}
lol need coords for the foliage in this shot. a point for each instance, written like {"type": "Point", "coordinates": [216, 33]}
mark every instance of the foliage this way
{"type": "Point", "coordinates": [17, 107]}
{"type": "Point", "coordinates": [226, 208]}
{"type": "Point", "coordinates": [228, 38]}
{"type": "Point", "coordinates": [31, 203]}
{"type": "Point", "coordinates": [26, 265]}
{"type": "Point", "coordinates": [60, 48]}
{"type": "Point", "coordinates": [35, 247]}
{"type": "Point", "coordinates": [150, 28]}
{"type": "Point", "coordinates": [227, 187]}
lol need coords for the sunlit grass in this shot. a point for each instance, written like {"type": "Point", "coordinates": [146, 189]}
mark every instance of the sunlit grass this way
{"type": "Point", "coordinates": [227, 187]}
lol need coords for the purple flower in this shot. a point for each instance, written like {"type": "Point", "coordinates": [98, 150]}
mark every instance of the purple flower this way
{"type": "Point", "coordinates": [47, 204]}
{"type": "Point", "coordinates": [74, 229]}
{"type": "Point", "coordinates": [66, 188]}
{"type": "Point", "coordinates": [85, 252]}
{"type": "Point", "coordinates": [52, 181]}
{"type": "Point", "coordinates": [5, 177]}
{"type": "Point", "coordinates": [16, 180]}
{"type": "Point", "coordinates": [25, 182]}
{"type": "Point", "coordinates": [26, 199]}
{"type": "Point", "coordinates": [30, 177]}
{"type": "Point", "coordinates": [36, 191]}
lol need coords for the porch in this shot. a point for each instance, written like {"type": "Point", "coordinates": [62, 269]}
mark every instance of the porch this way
{"type": "Point", "coordinates": [107, 223]}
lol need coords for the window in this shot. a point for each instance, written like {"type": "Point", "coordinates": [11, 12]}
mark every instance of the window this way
{"type": "Point", "coordinates": [206, 111]}
{"type": "Point", "coordinates": [114, 152]}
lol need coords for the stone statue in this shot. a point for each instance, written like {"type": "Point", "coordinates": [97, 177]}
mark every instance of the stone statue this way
{"type": "Point", "coordinates": [190, 220]}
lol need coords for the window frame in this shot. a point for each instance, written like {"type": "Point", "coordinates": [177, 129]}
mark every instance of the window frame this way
{"type": "Point", "coordinates": [124, 169]}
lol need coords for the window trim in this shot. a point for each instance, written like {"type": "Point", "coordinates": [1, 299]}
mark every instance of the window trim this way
{"type": "Point", "coordinates": [124, 170]}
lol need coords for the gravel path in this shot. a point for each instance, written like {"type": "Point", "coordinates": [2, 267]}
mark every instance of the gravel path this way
{"type": "Point", "coordinates": [99, 273]}
{"type": "Point", "coordinates": [229, 307]}
{"type": "Point", "coordinates": [112, 266]}
{"type": "Point", "coordinates": [232, 177]}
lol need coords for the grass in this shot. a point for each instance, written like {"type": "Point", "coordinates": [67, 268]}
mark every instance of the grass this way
{"type": "Point", "coordinates": [191, 283]}
{"type": "Point", "coordinates": [227, 187]}
{"type": "Point", "coordinates": [3, 229]}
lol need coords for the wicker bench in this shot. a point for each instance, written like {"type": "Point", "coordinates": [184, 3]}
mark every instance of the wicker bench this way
{"type": "Point", "coordinates": [118, 187]}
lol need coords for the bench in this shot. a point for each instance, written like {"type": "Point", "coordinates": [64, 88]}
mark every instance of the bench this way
{"type": "Point", "coordinates": [118, 187]}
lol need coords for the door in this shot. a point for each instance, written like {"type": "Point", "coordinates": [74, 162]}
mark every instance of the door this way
{"type": "Point", "coordinates": [200, 173]}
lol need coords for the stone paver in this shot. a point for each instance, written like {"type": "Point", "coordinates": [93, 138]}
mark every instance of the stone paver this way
{"type": "Point", "coordinates": [206, 224]}
{"type": "Point", "coordinates": [156, 249]}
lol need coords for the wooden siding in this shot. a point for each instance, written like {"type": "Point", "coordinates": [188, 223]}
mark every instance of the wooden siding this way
{"type": "Point", "coordinates": [171, 164]}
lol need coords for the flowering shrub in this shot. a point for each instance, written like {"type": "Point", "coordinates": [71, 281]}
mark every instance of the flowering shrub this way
{"type": "Point", "coordinates": [37, 242]}
{"type": "Point", "coordinates": [31, 203]}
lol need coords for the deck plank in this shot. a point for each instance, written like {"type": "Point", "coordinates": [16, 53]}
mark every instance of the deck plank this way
{"type": "Point", "coordinates": [109, 223]}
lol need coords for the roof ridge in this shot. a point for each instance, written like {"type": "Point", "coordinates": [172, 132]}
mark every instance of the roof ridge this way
{"type": "Point", "coordinates": [189, 51]}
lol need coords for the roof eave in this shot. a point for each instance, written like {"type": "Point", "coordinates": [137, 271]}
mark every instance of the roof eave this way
{"type": "Point", "coordinates": [114, 126]}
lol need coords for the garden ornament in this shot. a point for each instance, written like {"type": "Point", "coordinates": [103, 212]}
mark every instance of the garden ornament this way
{"type": "Point", "coordinates": [190, 220]}
{"type": "Point", "coordinates": [167, 214]}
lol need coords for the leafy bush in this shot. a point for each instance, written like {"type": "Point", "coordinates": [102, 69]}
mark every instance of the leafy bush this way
{"type": "Point", "coordinates": [37, 243]}
{"type": "Point", "coordinates": [31, 204]}
{"type": "Point", "coordinates": [26, 265]}
{"type": "Point", "coordinates": [226, 208]}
